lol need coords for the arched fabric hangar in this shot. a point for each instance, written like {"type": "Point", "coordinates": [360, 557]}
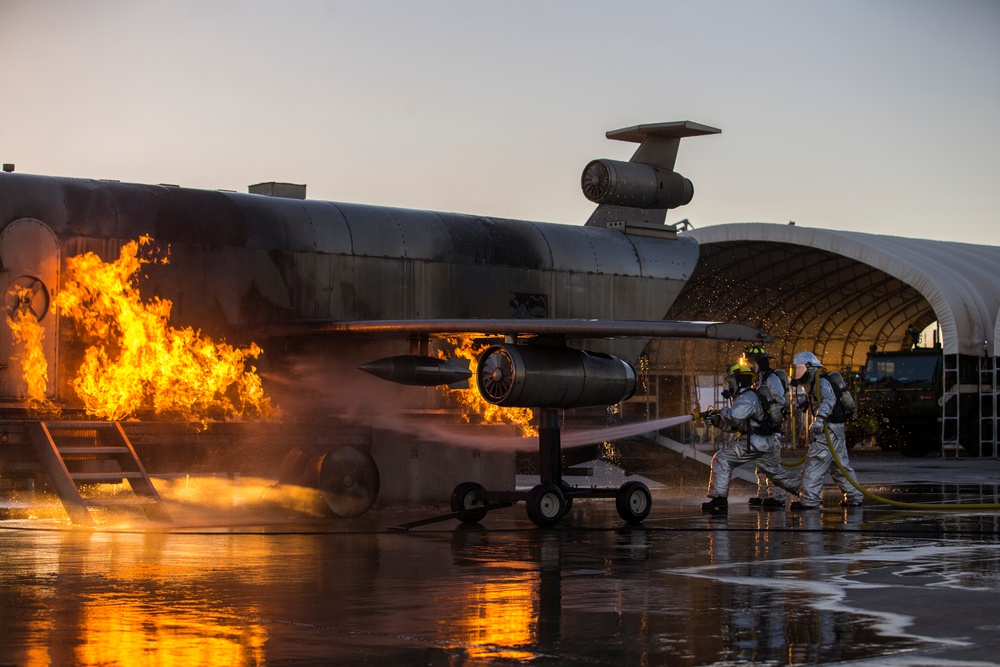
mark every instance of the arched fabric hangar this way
{"type": "Point", "coordinates": [836, 292]}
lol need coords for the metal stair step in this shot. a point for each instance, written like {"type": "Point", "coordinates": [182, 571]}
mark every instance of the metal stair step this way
{"type": "Point", "coordinates": [105, 476]}
{"type": "Point", "coordinates": [74, 451]}
{"type": "Point", "coordinates": [117, 502]}
{"type": "Point", "coordinates": [78, 425]}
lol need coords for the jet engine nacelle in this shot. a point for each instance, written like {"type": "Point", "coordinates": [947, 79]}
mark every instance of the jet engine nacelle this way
{"type": "Point", "coordinates": [634, 184]}
{"type": "Point", "coordinates": [552, 377]}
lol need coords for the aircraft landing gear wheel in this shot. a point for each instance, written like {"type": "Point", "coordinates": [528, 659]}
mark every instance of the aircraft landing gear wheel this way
{"type": "Point", "coordinates": [546, 505]}
{"type": "Point", "coordinates": [468, 496]}
{"type": "Point", "coordinates": [633, 502]}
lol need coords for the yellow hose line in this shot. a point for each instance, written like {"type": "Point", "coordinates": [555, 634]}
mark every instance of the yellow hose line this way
{"type": "Point", "coordinates": [898, 503]}
{"type": "Point", "coordinates": [793, 464]}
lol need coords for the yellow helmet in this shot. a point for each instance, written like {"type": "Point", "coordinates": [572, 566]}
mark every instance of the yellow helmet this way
{"type": "Point", "coordinates": [742, 375]}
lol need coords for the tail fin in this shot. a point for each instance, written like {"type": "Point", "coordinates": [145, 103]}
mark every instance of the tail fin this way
{"type": "Point", "coordinates": [634, 196]}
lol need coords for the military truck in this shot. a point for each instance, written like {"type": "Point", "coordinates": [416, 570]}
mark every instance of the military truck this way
{"type": "Point", "coordinates": [903, 395]}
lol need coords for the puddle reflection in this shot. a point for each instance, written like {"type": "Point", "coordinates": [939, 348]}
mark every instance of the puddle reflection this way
{"type": "Point", "coordinates": [772, 587]}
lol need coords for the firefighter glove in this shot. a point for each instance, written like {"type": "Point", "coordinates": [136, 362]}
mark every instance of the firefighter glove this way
{"type": "Point", "coordinates": [817, 426]}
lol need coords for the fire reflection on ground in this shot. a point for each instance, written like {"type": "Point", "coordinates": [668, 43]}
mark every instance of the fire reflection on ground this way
{"type": "Point", "coordinates": [498, 619]}
{"type": "Point", "coordinates": [180, 636]}
{"type": "Point", "coordinates": [755, 588]}
{"type": "Point", "coordinates": [127, 599]}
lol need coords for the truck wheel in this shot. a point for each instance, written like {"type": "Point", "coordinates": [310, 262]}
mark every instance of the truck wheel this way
{"type": "Point", "coordinates": [918, 448]}
{"type": "Point", "coordinates": [919, 445]}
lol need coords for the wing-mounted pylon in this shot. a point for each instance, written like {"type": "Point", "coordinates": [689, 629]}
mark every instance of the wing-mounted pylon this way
{"type": "Point", "coordinates": [634, 196]}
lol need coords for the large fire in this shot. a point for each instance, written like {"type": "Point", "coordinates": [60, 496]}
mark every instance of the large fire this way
{"type": "Point", "coordinates": [30, 333]}
{"type": "Point", "coordinates": [135, 360]}
{"type": "Point", "coordinates": [471, 401]}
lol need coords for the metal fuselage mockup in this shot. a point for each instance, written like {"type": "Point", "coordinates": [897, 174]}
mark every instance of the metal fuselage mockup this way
{"type": "Point", "coordinates": [274, 270]}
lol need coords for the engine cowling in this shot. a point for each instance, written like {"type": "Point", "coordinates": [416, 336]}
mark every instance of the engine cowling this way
{"type": "Point", "coordinates": [634, 184]}
{"type": "Point", "coordinates": [552, 377]}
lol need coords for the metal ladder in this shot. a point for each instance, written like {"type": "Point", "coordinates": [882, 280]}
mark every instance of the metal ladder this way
{"type": "Point", "coordinates": [74, 453]}
{"type": "Point", "coordinates": [988, 374]}
{"type": "Point", "coordinates": [950, 406]}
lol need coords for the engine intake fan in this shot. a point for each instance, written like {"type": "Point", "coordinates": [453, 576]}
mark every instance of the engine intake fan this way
{"type": "Point", "coordinates": [552, 377]}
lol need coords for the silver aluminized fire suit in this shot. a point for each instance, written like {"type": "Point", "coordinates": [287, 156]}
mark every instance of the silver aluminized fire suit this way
{"type": "Point", "coordinates": [765, 489]}
{"type": "Point", "coordinates": [750, 447]}
{"type": "Point", "coordinates": [818, 458]}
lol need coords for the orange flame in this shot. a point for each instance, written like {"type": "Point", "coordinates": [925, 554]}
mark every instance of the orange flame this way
{"type": "Point", "coordinates": [471, 401]}
{"type": "Point", "coordinates": [27, 330]}
{"type": "Point", "coordinates": [137, 361]}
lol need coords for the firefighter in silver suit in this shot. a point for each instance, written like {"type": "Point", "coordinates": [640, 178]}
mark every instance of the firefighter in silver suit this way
{"type": "Point", "coordinates": [769, 495]}
{"type": "Point", "coordinates": [807, 371]}
{"type": "Point", "coordinates": [754, 444]}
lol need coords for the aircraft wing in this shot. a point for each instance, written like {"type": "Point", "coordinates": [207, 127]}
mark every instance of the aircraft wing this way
{"type": "Point", "coordinates": [572, 328]}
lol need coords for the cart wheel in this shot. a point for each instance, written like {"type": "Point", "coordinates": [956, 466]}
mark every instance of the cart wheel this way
{"type": "Point", "coordinates": [468, 496]}
{"type": "Point", "coordinates": [633, 502]}
{"type": "Point", "coordinates": [545, 505]}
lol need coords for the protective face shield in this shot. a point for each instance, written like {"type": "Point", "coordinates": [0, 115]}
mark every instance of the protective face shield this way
{"type": "Point", "coordinates": [803, 366]}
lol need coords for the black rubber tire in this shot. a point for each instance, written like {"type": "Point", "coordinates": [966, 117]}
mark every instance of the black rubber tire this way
{"type": "Point", "coordinates": [468, 496]}
{"type": "Point", "coordinates": [546, 504]}
{"type": "Point", "coordinates": [633, 502]}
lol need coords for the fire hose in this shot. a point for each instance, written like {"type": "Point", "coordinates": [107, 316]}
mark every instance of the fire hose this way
{"type": "Point", "coordinates": [898, 503]}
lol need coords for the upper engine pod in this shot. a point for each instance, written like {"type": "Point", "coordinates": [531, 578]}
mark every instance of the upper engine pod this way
{"type": "Point", "coordinates": [552, 377]}
{"type": "Point", "coordinates": [635, 185]}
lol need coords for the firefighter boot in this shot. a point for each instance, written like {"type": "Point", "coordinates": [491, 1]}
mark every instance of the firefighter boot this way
{"type": "Point", "coordinates": [717, 505]}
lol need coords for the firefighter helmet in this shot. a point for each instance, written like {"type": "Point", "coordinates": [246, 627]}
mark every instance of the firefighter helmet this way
{"type": "Point", "coordinates": [740, 376]}
{"type": "Point", "coordinates": [803, 366]}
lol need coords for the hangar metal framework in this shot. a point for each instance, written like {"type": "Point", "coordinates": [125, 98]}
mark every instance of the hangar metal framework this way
{"type": "Point", "coordinates": [836, 293]}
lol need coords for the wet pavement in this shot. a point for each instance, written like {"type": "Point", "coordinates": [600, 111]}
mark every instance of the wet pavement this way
{"type": "Point", "coordinates": [251, 583]}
